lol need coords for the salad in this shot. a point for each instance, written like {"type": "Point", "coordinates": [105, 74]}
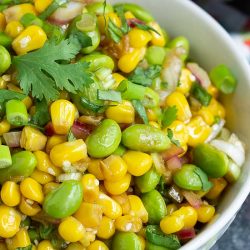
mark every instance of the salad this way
{"type": "Point", "coordinates": [111, 137]}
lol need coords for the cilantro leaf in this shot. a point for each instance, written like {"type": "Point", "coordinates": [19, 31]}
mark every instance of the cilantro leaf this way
{"type": "Point", "coordinates": [171, 138]}
{"type": "Point", "coordinates": [25, 248]}
{"type": "Point", "coordinates": [6, 95]}
{"type": "Point", "coordinates": [206, 184]}
{"type": "Point", "coordinates": [71, 136]}
{"type": "Point", "coordinates": [83, 38]}
{"type": "Point", "coordinates": [45, 231]}
{"type": "Point", "coordinates": [201, 94]}
{"type": "Point", "coordinates": [169, 115]}
{"type": "Point", "coordinates": [143, 26]}
{"type": "Point", "coordinates": [145, 76]}
{"type": "Point", "coordinates": [41, 73]}
{"type": "Point", "coordinates": [140, 110]}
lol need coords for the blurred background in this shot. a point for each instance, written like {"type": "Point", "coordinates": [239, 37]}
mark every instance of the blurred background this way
{"type": "Point", "coordinates": [234, 16]}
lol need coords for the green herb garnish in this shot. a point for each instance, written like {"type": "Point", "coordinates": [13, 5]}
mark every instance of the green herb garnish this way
{"type": "Point", "coordinates": [6, 95]}
{"type": "Point", "coordinates": [169, 115]}
{"type": "Point", "coordinates": [171, 138]}
{"type": "Point", "coordinates": [201, 94]}
{"type": "Point", "coordinates": [140, 110]}
{"type": "Point", "coordinates": [109, 95]}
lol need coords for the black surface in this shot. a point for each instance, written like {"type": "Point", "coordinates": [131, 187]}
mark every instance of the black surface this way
{"type": "Point", "coordinates": [237, 237]}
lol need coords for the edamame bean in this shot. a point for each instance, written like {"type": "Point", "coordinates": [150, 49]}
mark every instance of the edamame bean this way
{"type": "Point", "coordinates": [5, 40]}
{"type": "Point", "coordinates": [120, 150]}
{"type": "Point", "coordinates": [97, 61]}
{"type": "Point", "coordinates": [4, 59]}
{"type": "Point", "coordinates": [98, 8]}
{"type": "Point", "coordinates": [150, 246]}
{"type": "Point", "coordinates": [155, 206]}
{"type": "Point", "coordinates": [211, 160]}
{"type": "Point", "coordinates": [155, 55]}
{"type": "Point", "coordinates": [104, 140]}
{"type": "Point", "coordinates": [180, 42]}
{"type": "Point", "coordinates": [125, 241]}
{"type": "Point", "coordinates": [23, 164]}
{"type": "Point", "coordinates": [64, 200]}
{"type": "Point", "coordinates": [148, 181]}
{"type": "Point", "coordinates": [145, 138]}
{"type": "Point", "coordinates": [96, 38]}
{"type": "Point", "coordinates": [151, 98]}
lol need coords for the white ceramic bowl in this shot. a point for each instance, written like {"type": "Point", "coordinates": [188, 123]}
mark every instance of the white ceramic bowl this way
{"type": "Point", "coordinates": [210, 46]}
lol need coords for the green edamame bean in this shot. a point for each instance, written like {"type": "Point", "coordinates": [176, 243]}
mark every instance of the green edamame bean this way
{"type": "Point", "coordinates": [125, 241]}
{"type": "Point", "coordinates": [120, 150]}
{"type": "Point", "coordinates": [155, 55]}
{"type": "Point", "coordinates": [145, 138]}
{"type": "Point", "coordinates": [181, 42]}
{"type": "Point", "coordinates": [150, 246]}
{"type": "Point", "coordinates": [98, 8]}
{"type": "Point", "coordinates": [64, 200]}
{"type": "Point", "coordinates": [4, 59]}
{"type": "Point", "coordinates": [104, 140]}
{"type": "Point", "coordinates": [211, 160]}
{"type": "Point", "coordinates": [148, 181]}
{"type": "Point", "coordinates": [151, 98]}
{"type": "Point", "coordinates": [137, 11]}
{"type": "Point", "coordinates": [5, 40]}
{"type": "Point", "coordinates": [155, 206]}
{"type": "Point", "coordinates": [97, 61]}
{"type": "Point", "coordinates": [23, 164]}
{"type": "Point", "coordinates": [96, 38]}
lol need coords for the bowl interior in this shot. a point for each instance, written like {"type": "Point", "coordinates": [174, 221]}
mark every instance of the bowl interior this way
{"type": "Point", "coordinates": [210, 46]}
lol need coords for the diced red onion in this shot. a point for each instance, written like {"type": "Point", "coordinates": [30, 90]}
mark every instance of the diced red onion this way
{"type": "Point", "coordinates": [171, 152]}
{"type": "Point", "coordinates": [174, 163]}
{"type": "Point", "coordinates": [193, 199]}
{"type": "Point", "coordinates": [133, 21]}
{"type": "Point", "coordinates": [186, 234]}
{"type": "Point", "coordinates": [12, 139]}
{"type": "Point", "coordinates": [49, 129]}
{"type": "Point", "coordinates": [216, 129]}
{"type": "Point", "coordinates": [81, 130]}
{"type": "Point", "coordinates": [200, 74]}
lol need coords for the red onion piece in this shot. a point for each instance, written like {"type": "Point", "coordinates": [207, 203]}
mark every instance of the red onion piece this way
{"type": "Point", "coordinates": [171, 152]}
{"type": "Point", "coordinates": [133, 21]}
{"type": "Point", "coordinates": [81, 130]}
{"type": "Point", "coordinates": [193, 199]}
{"type": "Point", "coordinates": [186, 234]}
{"type": "Point", "coordinates": [174, 163]}
{"type": "Point", "coordinates": [49, 129]}
{"type": "Point", "coordinates": [12, 139]}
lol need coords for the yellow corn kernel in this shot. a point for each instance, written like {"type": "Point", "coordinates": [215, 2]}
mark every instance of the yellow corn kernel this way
{"type": "Point", "coordinates": [44, 164]}
{"type": "Point", "coordinates": [32, 139]}
{"type": "Point", "coordinates": [42, 5]}
{"type": "Point", "coordinates": [118, 79]}
{"type": "Point", "coordinates": [72, 230]}
{"type": "Point", "coordinates": [4, 127]}
{"type": "Point", "coordinates": [104, 19]}
{"type": "Point", "coordinates": [90, 188]}
{"type": "Point", "coordinates": [139, 38]}
{"type": "Point", "coordinates": [171, 224]}
{"type": "Point", "coordinates": [180, 132]}
{"type": "Point", "coordinates": [143, 242]}
{"type": "Point", "coordinates": [53, 141]}
{"type": "Point", "coordinates": [45, 245]}
{"type": "Point", "coordinates": [29, 207]}
{"type": "Point", "coordinates": [137, 208]}
{"type": "Point", "coordinates": [213, 91]}
{"type": "Point", "coordinates": [97, 245]}
{"type": "Point", "coordinates": [128, 62]}
{"type": "Point", "coordinates": [186, 81]}
{"type": "Point", "coordinates": [75, 246]}
{"type": "Point", "coordinates": [122, 113]}
{"type": "Point", "coordinates": [10, 221]}
{"type": "Point", "coordinates": [106, 229]}
{"type": "Point", "coordinates": [89, 214]}
{"type": "Point", "coordinates": [198, 131]}
{"type": "Point", "coordinates": [128, 223]}
{"type": "Point", "coordinates": [3, 83]}
{"type": "Point", "coordinates": [15, 13]}
{"type": "Point", "coordinates": [62, 115]}
{"type": "Point", "coordinates": [2, 244]}
{"type": "Point", "coordinates": [114, 168]}
{"type": "Point", "coordinates": [155, 124]}
{"type": "Point", "coordinates": [152, 116]}
{"type": "Point", "coordinates": [71, 151]}
{"type": "Point", "coordinates": [33, 37]}
{"type": "Point", "coordinates": [10, 194]}
{"type": "Point", "coordinates": [216, 108]}
{"type": "Point", "coordinates": [28, 102]}
{"type": "Point", "coordinates": [123, 201]}
{"type": "Point", "coordinates": [171, 208]}
{"type": "Point", "coordinates": [42, 177]}
{"type": "Point", "coordinates": [87, 239]}
{"type": "Point", "coordinates": [21, 239]}
{"type": "Point", "coordinates": [2, 22]}
{"type": "Point", "coordinates": [218, 186]}
{"type": "Point", "coordinates": [13, 29]}
{"type": "Point", "coordinates": [188, 214]}
{"type": "Point", "coordinates": [32, 110]}
{"type": "Point", "coordinates": [49, 187]}
{"type": "Point", "coordinates": [32, 190]}
{"type": "Point", "coordinates": [129, 15]}
{"type": "Point", "coordinates": [118, 187]}
{"type": "Point", "coordinates": [179, 100]}
{"type": "Point", "coordinates": [205, 213]}
{"type": "Point", "coordinates": [109, 206]}
{"type": "Point", "coordinates": [138, 162]}
{"type": "Point", "coordinates": [206, 114]}
{"type": "Point", "coordinates": [158, 38]}
{"type": "Point", "coordinates": [94, 167]}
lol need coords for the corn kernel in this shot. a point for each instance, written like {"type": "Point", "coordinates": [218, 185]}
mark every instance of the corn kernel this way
{"type": "Point", "coordinates": [87, 239]}
{"type": "Point", "coordinates": [216, 108]}
{"type": "Point", "coordinates": [97, 245]}
{"type": "Point", "coordinates": [20, 240]}
{"type": "Point", "coordinates": [70, 229]}
{"type": "Point", "coordinates": [138, 162]}
{"type": "Point", "coordinates": [28, 102]}
{"type": "Point", "coordinates": [62, 116]}
{"type": "Point", "coordinates": [218, 186]}
{"type": "Point", "coordinates": [32, 110]}
{"type": "Point", "coordinates": [28, 207]}
{"type": "Point", "coordinates": [129, 15]}
{"type": "Point", "coordinates": [50, 187]}
{"type": "Point", "coordinates": [42, 5]}
{"type": "Point", "coordinates": [32, 139]}
{"type": "Point", "coordinates": [53, 141]}
{"type": "Point", "coordinates": [152, 116]}
{"type": "Point", "coordinates": [139, 38]}
{"type": "Point", "coordinates": [94, 167]}
{"type": "Point", "coordinates": [205, 213]}
{"type": "Point", "coordinates": [45, 245]}
{"type": "Point", "coordinates": [143, 242]}
{"type": "Point", "coordinates": [75, 246]}
{"type": "Point", "coordinates": [3, 83]}
{"type": "Point", "coordinates": [90, 188]}
{"type": "Point", "coordinates": [171, 208]}
{"type": "Point", "coordinates": [154, 124]}
{"type": "Point", "coordinates": [122, 113]}
{"type": "Point", "coordinates": [118, 187]}
{"type": "Point", "coordinates": [158, 38]}
{"type": "Point", "coordinates": [33, 37]}
{"type": "Point", "coordinates": [118, 79]}
{"type": "Point", "coordinates": [2, 22]}
{"type": "Point", "coordinates": [128, 223]}
{"type": "Point", "coordinates": [123, 201]}
{"type": "Point", "coordinates": [13, 29]}
{"type": "Point", "coordinates": [106, 228]}
{"type": "Point", "coordinates": [10, 194]}
{"type": "Point", "coordinates": [32, 190]}
{"type": "Point", "coordinates": [41, 177]}
{"type": "Point", "coordinates": [188, 214]}
{"type": "Point", "coordinates": [186, 81]}
{"type": "Point", "coordinates": [10, 221]}
{"type": "Point", "coordinates": [71, 151]}
{"type": "Point", "coordinates": [90, 215]}
{"type": "Point", "coordinates": [4, 127]}
{"type": "Point", "coordinates": [206, 114]}
{"type": "Point", "coordinates": [213, 91]}
{"type": "Point", "coordinates": [171, 224]}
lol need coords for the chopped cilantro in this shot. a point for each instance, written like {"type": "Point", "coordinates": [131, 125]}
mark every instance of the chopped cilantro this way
{"type": "Point", "coordinates": [6, 95]}
{"type": "Point", "coordinates": [206, 184]}
{"type": "Point", "coordinates": [201, 94]}
{"type": "Point", "coordinates": [171, 138]}
{"type": "Point", "coordinates": [169, 115]}
{"type": "Point", "coordinates": [140, 110]}
{"type": "Point", "coordinates": [24, 248]}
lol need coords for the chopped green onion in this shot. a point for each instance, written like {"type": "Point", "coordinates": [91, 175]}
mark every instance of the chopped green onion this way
{"type": "Point", "coordinates": [89, 105]}
{"type": "Point", "coordinates": [140, 110]}
{"type": "Point", "coordinates": [5, 157]}
{"type": "Point", "coordinates": [109, 95]}
{"type": "Point", "coordinates": [114, 31]}
{"type": "Point", "coordinates": [87, 22]}
{"type": "Point", "coordinates": [16, 113]}
{"type": "Point", "coordinates": [30, 19]}
{"type": "Point", "coordinates": [5, 40]}
{"type": "Point", "coordinates": [169, 115]}
{"type": "Point", "coordinates": [222, 77]}
{"type": "Point", "coordinates": [201, 94]}
{"type": "Point", "coordinates": [3, 7]}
